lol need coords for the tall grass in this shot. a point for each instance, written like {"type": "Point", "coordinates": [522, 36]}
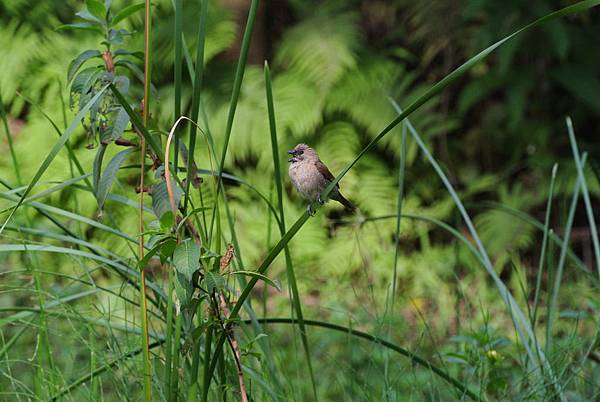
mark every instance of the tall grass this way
{"type": "Point", "coordinates": [190, 324]}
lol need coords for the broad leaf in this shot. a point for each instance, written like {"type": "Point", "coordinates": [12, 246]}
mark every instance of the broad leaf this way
{"type": "Point", "coordinates": [160, 197]}
{"type": "Point", "coordinates": [83, 26]}
{"type": "Point", "coordinates": [213, 281]}
{"type": "Point", "coordinates": [96, 8]}
{"type": "Point", "coordinates": [126, 12]}
{"type": "Point", "coordinates": [186, 258]}
{"type": "Point", "coordinates": [79, 60]}
{"type": "Point", "coordinates": [108, 176]}
{"type": "Point", "coordinates": [119, 124]}
{"type": "Point", "coordinates": [86, 15]}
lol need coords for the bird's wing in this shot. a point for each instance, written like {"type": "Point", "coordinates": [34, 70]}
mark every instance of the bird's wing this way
{"type": "Point", "coordinates": [325, 171]}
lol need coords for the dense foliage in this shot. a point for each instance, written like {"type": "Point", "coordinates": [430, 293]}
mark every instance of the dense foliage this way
{"type": "Point", "coordinates": [497, 132]}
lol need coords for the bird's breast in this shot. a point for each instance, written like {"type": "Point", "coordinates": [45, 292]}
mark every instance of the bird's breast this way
{"type": "Point", "coordinates": [306, 178]}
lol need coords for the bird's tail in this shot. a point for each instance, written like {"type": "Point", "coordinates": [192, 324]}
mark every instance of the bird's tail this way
{"type": "Point", "coordinates": [340, 198]}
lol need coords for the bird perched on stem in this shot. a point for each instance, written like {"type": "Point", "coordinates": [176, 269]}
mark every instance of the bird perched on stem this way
{"type": "Point", "coordinates": [310, 176]}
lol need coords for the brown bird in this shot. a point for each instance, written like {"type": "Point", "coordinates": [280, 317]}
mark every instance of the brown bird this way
{"type": "Point", "coordinates": [310, 176]}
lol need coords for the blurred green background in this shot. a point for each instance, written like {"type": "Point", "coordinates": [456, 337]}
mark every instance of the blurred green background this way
{"type": "Point", "coordinates": [497, 133]}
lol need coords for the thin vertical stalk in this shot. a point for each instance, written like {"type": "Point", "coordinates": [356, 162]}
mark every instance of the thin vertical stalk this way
{"type": "Point", "coordinates": [169, 340]}
{"type": "Point", "coordinates": [399, 214]}
{"type": "Point", "coordinates": [196, 99]}
{"type": "Point", "coordinates": [561, 261]}
{"type": "Point", "coordinates": [147, 369]}
{"type": "Point", "coordinates": [585, 193]}
{"type": "Point", "coordinates": [175, 370]}
{"type": "Point", "coordinates": [237, 83]}
{"type": "Point", "coordinates": [177, 72]}
{"type": "Point", "coordinates": [538, 283]}
{"type": "Point", "coordinates": [11, 148]}
{"type": "Point", "coordinates": [297, 305]}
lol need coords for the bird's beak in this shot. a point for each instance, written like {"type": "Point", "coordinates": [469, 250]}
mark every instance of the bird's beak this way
{"type": "Point", "coordinates": [293, 153]}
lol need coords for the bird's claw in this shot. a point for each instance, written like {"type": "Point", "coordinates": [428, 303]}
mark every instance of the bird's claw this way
{"type": "Point", "coordinates": [319, 200]}
{"type": "Point", "coordinates": [311, 211]}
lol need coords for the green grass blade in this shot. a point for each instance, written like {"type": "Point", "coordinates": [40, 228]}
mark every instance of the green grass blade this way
{"type": "Point", "coordinates": [177, 69]}
{"type": "Point", "coordinates": [86, 378]}
{"type": "Point", "coordinates": [462, 388]}
{"type": "Point", "coordinates": [237, 84]}
{"type": "Point", "coordinates": [585, 193]}
{"type": "Point", "coordinates": [297, 304]}
{"type": "Point", "coordinates": [199, 71]}
{"type": "Point", "coordinates": [9, 140]}
{"type": "Point", "coordinates": [54, 151]}
{"type": "Point", "coordinates": [562, 259]}
{"type": "Point", "coordinates": [437, 88]}
{"type": "Point", "coordinates": [546, 229]}
{"type": "Point", "coordinates": [519, 319]}
{"type": "Point", "coordinates": [139, 124]}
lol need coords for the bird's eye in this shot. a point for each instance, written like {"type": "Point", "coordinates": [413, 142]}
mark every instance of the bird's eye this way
{"type": "Point", "coordinates": [301, 152]}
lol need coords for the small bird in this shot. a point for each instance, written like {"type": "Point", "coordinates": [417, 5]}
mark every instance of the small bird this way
{"type": "Point", "coordinates": [310, 176]}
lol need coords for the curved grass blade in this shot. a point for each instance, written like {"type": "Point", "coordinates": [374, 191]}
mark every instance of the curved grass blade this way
{"type": "Point", "coordinates": [518, 317]}
{"type": "Point", "coordinates": [437, 88]}
{"type": "Point", "coordinates": [54, 151]}
{"type": "Point", "coordinates": [82, 380]}
{"type": "Point", "coordinates": [80, 253]}
{"type": "Point", "coordinates": [462, 388]}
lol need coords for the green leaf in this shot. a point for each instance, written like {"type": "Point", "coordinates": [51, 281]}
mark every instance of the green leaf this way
{"type": "Point", "coordinates": [86, 15]}
{"type": "Point", "coordinates": [126, 12]}
{"type": "Point", "coordinates": [123, 52]}
{"type": "Point", "coordinates": [97, 166]}
{"type": "Point", "coordinates": [213, 281]}
{"type": "Point", "coordinates": [151, 253]}
{"type": "Point", "coordinates": [118, 127]}
{"type": "Point", "coordinates": [79, 60]}
{"type": "Point", "coordinates": [108, 176]}
{"type": "Point", "coordinates": [183, 289]}
{"type": "Point", "coordinates": [54, 151]}
{"type": "Point", "coordinates": [186, 258]}
{"type": "Point", "coordinates": [96, 8]}
{"type": "Point", "coordinates": [160, 197]}
{"type": "Point", "coordinates": [167, 220]}
{"type": "Point", "coordinates": [83, 26]}
{"type": "Point", "coordinates": [255, 274]}
{"type": "Point", "coordinates": [167, 249]}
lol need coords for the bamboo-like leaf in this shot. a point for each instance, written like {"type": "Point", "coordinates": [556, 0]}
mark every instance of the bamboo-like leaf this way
{"type": "Point", "coordinates": [109, 174]}
{"type": "Point", "coordinates": [79, 60]}
{"type": "Point", "coordinates": [55, 150]}
{"type": "Point", "coordinates": [96, 8]}
{"type": "Point", "coordinates": [97, 166]}
{"type": "Point", "coordinates": [126, 12]}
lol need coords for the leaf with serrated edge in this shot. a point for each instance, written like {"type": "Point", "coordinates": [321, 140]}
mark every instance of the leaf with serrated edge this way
{"type": "Point", "coordinates": [109, 174]}
{"type": "Point", "coordinates": [186, 258]}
